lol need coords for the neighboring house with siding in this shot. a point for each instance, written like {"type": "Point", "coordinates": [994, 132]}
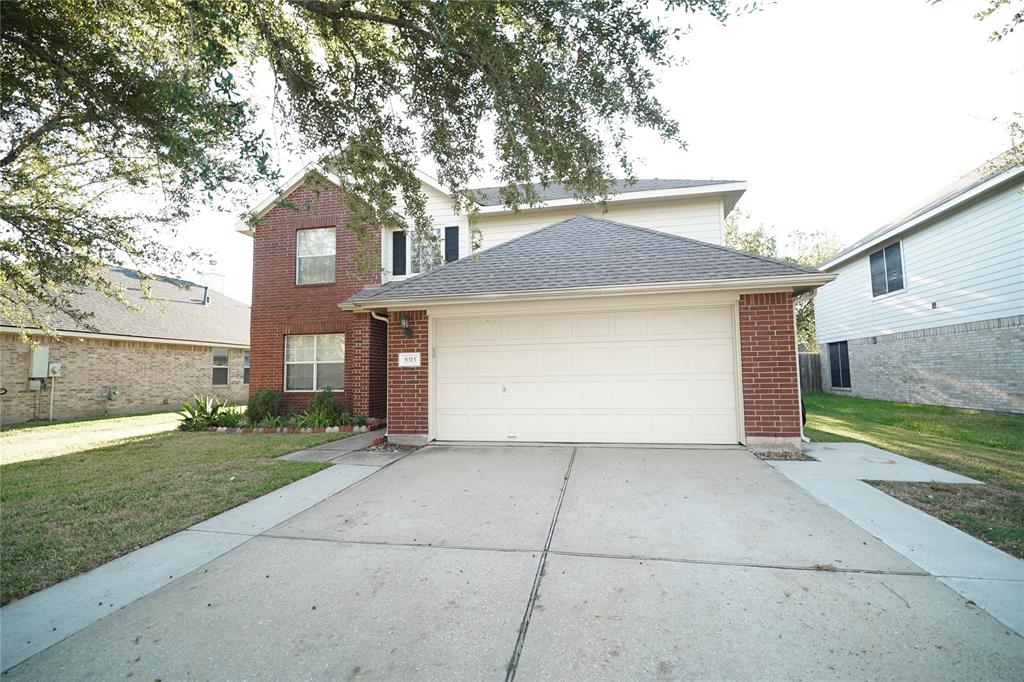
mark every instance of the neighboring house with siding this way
{"type": "Point", "coordinates": [930, 309]}
{"type": "Point", "coordinates": [187, 340]}
{"type": "Point", "coordinates": [569, 323]}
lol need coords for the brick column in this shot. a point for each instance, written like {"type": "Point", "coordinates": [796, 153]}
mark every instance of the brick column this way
{"type": "Point", "coordinates": [407, 386]}
{"type": "Point", "coordinates": [771, 392]}
{"type": "Point", "coordinates": [365, 369]}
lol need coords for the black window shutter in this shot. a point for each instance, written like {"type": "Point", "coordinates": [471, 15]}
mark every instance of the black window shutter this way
{"type": "Point", "coordinates": [877, 273]}
{"type": "Point", "coordinates": [451, 243]}
{"type": "Point", "coordinates": [893, 267]}
{"type": "Point", "coordinates": [398, 253]}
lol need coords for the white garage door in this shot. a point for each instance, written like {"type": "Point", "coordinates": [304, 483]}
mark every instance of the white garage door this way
{"type": "Point", "coordinates": [641, 376]}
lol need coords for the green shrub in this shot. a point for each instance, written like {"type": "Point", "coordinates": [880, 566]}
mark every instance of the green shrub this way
{"type": "Point", "coordinates": [319, 419]}
{"type": "Point", "coordinates": [360, 420]}
{"type": "Point", "coordinates": [264, 403]}
{"type": "Point", "coordinates": [325, 403]}
{"type": "Point", "coordinates": [271, 421]}
{"type": "Point", "coordinates": [230, 418]}
{"type": "Point", "coordinates": [201, 414]}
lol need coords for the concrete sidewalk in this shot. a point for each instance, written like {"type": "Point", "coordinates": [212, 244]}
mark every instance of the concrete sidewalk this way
{"type": "Point", "coordinates": [990, 578]}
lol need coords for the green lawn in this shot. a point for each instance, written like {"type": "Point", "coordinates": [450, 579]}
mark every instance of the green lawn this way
{"type": "Point", "coordinates": [38, 440]}
{"type": "Point", "coordinates": [982, 445]}
{"type": "Point", "coordinates": [64, 515]}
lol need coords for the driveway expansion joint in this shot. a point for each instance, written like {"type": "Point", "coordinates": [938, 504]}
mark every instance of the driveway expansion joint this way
{"type": "Point", "coordinates": [513, 663]}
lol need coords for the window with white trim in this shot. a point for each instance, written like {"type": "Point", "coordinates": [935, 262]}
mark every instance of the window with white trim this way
{"type": "Point", "coordinates": [245, 367]}
{"type": "Point", "coordinates": [410, 256]}
{"type": "Point", "coordinates": [886, 270]}
{"type": "Point", "coordinates": [314, 256]}
{"type": "Point", "coordinates": [313, 362]}
{"type": "Point", "coordinates": [220, 366]}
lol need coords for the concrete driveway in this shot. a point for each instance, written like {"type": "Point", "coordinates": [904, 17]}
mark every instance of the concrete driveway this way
{"type": "Point", "coordinates": [551, 563]}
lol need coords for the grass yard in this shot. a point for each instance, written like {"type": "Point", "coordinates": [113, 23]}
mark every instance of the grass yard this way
{"type": "Point", "coordinates": [38, 440]}
{"type": "Point", "coordinates": [64, 515]}
{"type": "Point", "coordinates": [983, 445]}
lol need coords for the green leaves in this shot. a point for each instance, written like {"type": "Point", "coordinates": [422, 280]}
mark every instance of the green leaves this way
{"type": "Point", "coordinates": [146, 98]}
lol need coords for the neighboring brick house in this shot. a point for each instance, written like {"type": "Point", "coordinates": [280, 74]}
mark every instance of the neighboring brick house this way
{"type": "Point", "coordinates": [930, 309]}
{"type": "Point", "coordinates": [187, 340]}
{"type": "Point", "coordinates": [635, 326]}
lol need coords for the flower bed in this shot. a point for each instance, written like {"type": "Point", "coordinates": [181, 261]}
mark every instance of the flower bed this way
{"type": "Point", "coordinates": [298, 429]}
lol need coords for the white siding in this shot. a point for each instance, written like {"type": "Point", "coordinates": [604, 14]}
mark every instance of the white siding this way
{"type": "Point", "coordinates": [442, 213]}
{"type": "Point", "coordinates": [969, 263]}
{"type": "Point", "coordinates": [697, 218]}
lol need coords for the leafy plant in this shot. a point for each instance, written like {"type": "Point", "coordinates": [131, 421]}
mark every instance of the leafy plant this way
{"type": "Point", "coordinates": [271, 421]}
{"type": "Point", "coordinates": [319, 419]}
{"type": "Point", "coordinates": [264, 403]}
{"type": "Point", "coordinates": [230, 418]}
{"type": "Point", "coordinates": [325, 403]}
{"type": "Point", "coordinates": [360, 420]}
{"type": "Point", "coordinates": [199, 415]}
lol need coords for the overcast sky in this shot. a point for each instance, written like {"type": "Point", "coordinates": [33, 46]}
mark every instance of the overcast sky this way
{"type": "Point", "coordinates": [838, 115]}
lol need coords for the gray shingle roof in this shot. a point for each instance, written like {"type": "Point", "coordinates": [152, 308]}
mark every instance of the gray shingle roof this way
{"type": "Point", "coordinates": [177, 313]}
{"type": "Point", "coordinates": [583, 251]}
{"type": "Point", "coordinates": [490, 196]}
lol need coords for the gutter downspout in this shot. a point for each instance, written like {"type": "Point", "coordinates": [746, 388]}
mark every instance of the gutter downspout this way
{"type": "Point", "coordinates": [387, 415]}
{"type": "Point", "coordinates": [374, 315]}
{"type": "Point", "coordinates": [799, 384]}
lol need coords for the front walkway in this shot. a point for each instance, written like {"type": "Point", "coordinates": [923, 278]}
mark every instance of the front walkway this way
{"type": "Point", "coordinates": [549, 562]}
{"type": "Point", "coordinates": [990, 578]}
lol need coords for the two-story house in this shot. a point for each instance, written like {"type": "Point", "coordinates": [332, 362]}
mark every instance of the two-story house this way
{"type": "Point", "coordinates": [930, 308]}
{"type": "Point", "coordinates": [568, 324]}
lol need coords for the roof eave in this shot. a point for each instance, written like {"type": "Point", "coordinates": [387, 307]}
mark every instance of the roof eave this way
{"type": "Point", "coordinates": [936, 212]}
{"type": "Point", "coordinates": [733, 189]}
{"type": "Point", "coordinates": [76, 334]}
{"type": "Point", "coordinates": [798, 283]}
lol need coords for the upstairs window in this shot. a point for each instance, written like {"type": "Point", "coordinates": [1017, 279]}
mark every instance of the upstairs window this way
{"type": "Point", "coordinates": [220, 366]}
{"type": "Point", "coordinates": [886, 270]}
{"type": "Point", "coordinates": [314, 256]}
{"type": "Point", "coordinates": [839, 364]}
{"type": "Point", "coordinates": [412, 256]}
{"type": "Point", "coordinates": [314, 362]}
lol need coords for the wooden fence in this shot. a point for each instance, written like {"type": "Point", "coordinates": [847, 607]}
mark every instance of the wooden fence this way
{"type": "Point", "coordinates": [810, 372]}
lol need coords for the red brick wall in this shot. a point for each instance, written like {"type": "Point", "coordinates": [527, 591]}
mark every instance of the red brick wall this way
{"type": "Point", "coordinates": [407, 386]}
{"type": "Point", "coordinates": [771, 394]}
{"type": "Point", "coordinates": [281, 307]}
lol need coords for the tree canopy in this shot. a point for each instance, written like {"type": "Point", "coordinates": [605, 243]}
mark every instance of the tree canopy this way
{"type": "Point", "coordinates": [108, 100]}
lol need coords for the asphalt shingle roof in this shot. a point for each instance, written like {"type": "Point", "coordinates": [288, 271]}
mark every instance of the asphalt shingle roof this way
{"type": "Point", "coordinates": [583, 251]}
{"type": "Point", "coordinates": [491, 196]}
{"type": "Point", "coordinates": [177, 313]}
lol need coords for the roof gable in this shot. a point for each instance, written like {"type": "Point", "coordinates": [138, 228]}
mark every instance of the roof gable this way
{"type": "Point", "coordinates": [581, 252]}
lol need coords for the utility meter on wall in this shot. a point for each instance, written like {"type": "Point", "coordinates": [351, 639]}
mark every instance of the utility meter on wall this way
{"type": "Point", "coordinates": [55, 369]}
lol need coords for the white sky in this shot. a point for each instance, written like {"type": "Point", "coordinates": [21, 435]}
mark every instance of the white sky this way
{"type": "Point", "coordinates": [838, 115]}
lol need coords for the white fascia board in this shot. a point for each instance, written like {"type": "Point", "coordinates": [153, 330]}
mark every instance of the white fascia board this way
{"type": "Point", "coordinates": [629, 196]}
{"type": "Point", "coordinates": [752, 284]}
{"type": "Point", "coordinates": [294, 181]}
{"type": "Point", "coordinates": [31, 331]}
{"type": "Point", "coordinates": [939, 210]}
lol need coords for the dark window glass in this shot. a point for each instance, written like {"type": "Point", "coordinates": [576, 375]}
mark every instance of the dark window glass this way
{"type": "Point", "coordinates": [839, 364]}
{"type": "Point", "coordinates": [451, 243]}
{"type": "Point", "coordinates": [398, 253]}
{"type": "Point", "coordinates": [893, 267]}
{"type": "Point", "coordinates": [245, 367]}
{"type": "Point", "coordinates": [886, 270]}
{"type": "Point", "coordinates": [878, 273]}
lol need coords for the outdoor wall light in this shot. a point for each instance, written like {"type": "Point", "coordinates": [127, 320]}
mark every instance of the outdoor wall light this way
{"type": "Point", "coordinates": [404, 322]}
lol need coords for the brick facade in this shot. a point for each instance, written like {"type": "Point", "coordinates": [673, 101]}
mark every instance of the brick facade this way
{"type": "Point", "coordinates": [280, 307]}
{"type": "Point", "coordinates": [148, 377]}
{"type": "Point", "coordinates": [771, 392]}
{"type": "Point", "coordinates": [407, 386]}
{"type": "Point", "coordinates": [975, 365]}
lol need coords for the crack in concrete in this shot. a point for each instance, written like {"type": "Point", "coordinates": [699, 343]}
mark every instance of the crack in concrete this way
{"type": "Point", "coordinates": [513, 664]}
